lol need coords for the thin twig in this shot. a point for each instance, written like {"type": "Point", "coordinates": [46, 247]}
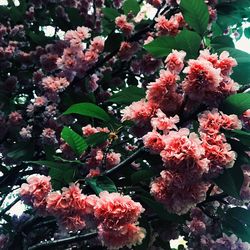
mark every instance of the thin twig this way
{"type": "Point", "coordinates": [53, 243]}
{"type": "Point", "coordinates": [138, 153]}
{"type": "Point", "coordinates": [9, 206]}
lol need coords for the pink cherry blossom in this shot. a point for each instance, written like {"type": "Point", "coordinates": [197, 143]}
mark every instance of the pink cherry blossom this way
{"type": "Point", "coordinates": [128, 235]}
{"type": "Point", "coordinates": [122, 23]}
{"type": "Point", "coordinates": [114, 210]}
{"type": "Point", "coordinates": [164, 123]}
{"type": "Point", "coordinates": [174, 61]}
{"type": "Point", "coordinates": [113, 159]}
{"type": "Point", "coordinates": [138, 111]}
{"type": "Point", "coordinates": [36, 189]}
{"type": "Point", "coordinates": [171, 190]}
{"type": "Point", "coordinates": [154, 141]}
{"type": "Point", "coordinates": [55, 84]}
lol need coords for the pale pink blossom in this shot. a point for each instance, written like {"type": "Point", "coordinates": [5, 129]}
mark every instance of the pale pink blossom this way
{"type": "Point", "coordinates": [89, 130]}
{"type": "Point", "coordinates": [97, 44]}
{"type": "Point", "coordinates": [164, 123]}
{"type": "Point", "coordinates": [138, 111]}
{"type": "Point", "coordinates": [25, 132]}
{"type": "Point", "coordinates": [169, 27]}
{"type": "Point", "coordinates": [55, 84]}
{"type": "Point", "coordinates": [114, 210]}
{"type": "Point", "coordinates": [175, 61]}
{"type": "Point", "coordinates": [15, 118]}
{"type": "Point", "coordinates": [93, 173]}
{"type": "Point", "coordinates": [96, 158]}
{"type": "Point", "coordinates": [171, 190]}
{"type": "Point", "coordinates": [128, 235]}
{"type": "Point", "coordinates": [218, 152]}
{"type": "Point", "coordinates": [184, 153]}
{"type": "Point", "coordinates": [122, 23]}
{"type": "Point", "coordinates": [212, 121]}
{"type": "Point", "coordinates": [157, 91]}
{"type": "Point", "coordinates": [36, 189]}
{"type": "Point", "coordinates": [40, 101]}
{"type": "Point", "coordinates": [226, 63]}
{"type": "Point", "coordinates": [154, 141]}
{"type": "Point", "coordinates": [112, 159]}
{"type": "Point", "coordinates": [71, 207]}
{"type": "Point", "coordinates": [202, 80]}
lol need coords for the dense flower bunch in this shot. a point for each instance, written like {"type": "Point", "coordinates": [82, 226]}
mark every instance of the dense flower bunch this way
{"type": "Point", "coordinates": [118, 115]}
{"type": "Point", "coordinates": [116, 215]}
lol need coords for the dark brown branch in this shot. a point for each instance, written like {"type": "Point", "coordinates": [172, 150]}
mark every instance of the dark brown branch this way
{"type": "Point", "coordinates": [60, 242]}
{"type": "Point", "coordinates": [126, 162]}
{"type": "Point", "coordinates": [217, 197]}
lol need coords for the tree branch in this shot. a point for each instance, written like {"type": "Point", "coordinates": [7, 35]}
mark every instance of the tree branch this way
{"type": "Point", "coordinates": [9, 206]}
{"type": "Point", "coordinates": [126, 162]}
{"type": "Point", "coordinates": [60, 242]}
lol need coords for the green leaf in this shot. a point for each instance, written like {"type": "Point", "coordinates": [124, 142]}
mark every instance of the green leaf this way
{"type": "Point", "coordinates": [17, 12]}
{"type": "Point", "coordinates": [75, 17]}
{"type": "Point", "coordinates": [236, 104]}
{"type": "Point", "coordinates": [131, 6]}
{"type": "Point", "coordinates": [61, 176]}
{"type": "Point", "coordinates": [97, 139]}
{"type": "Point", "coordinates": [61, 173]}
{"type": "Point", "coordinates": [113, 42]}
{"type": "Point", "coordinates": [101, 183]}
{"type": "Point", "coordinates": [196, 14]}
{"type": "Point", "coordinates": [185, 40]}
{"type": "Point", "coordinates": [110, 13]}
{"type": "Point", "coordinates": [247, 32]}
{"type": "Point", "coordinates": [75, 141]}
{"type": "Point", "coordinates": [143, 222]}
{"type": "Point", "coordinates": [142, 175]}
{"type": "Point", "coordinates": [243, 136]}
{"type": "Point", "coordinates": [221, 42]}
{"type": "Point", "coordinates": [243, 60]}
{"type": "Point", "coordinates": [237, 227]}
{"type": "Point", "coordinates": [21, 151]}
{"type": "Point", "coordinates": [161, 211]}
{"type": "Point", "coordinates": [39, 37]}
{"type": "Point", "coordinates": [50, 164]}
{"type": "Point", "coordinates": [231, 180]}
{"type": "Point", "coordinates": [88, 109]}
{"type": "Point", "coordinates": [128, 95]}
{"type": "Point", "coordinates": [240, 214]}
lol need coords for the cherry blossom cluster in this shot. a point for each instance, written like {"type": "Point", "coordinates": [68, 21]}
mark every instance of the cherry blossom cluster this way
{"type": "Point", "coordinates": [201, 229]}
{"type": "Point", "coordinates": [206, 77]}
{"type": "Point", "coordinates": [190, 161]}
{"type": "Point", "coordinates": [116, 215]}
{"type": "Point", "coordinates": [169, 27]}
{"type": "Point", "coordinates": [122, 23]}
{"type": "Point", "coordinates": [97, 157]}
{"type": "Point", "coordinates": [76, 58]}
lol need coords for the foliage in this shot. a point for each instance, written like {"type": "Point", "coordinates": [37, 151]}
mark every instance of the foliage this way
{"type": "Point", "coordinates": [102, 105]}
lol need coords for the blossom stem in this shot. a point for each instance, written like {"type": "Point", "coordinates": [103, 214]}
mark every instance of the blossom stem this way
{"type": "Point", "coordinates": [126, 162]}
{"type": "Point", "coordinates": [73, 239]}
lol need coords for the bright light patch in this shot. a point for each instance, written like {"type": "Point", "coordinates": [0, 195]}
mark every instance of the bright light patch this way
{"type": "Point", "coordinates": [177, 242]}
{"type": "Point", "coordinates": [243, 43]}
